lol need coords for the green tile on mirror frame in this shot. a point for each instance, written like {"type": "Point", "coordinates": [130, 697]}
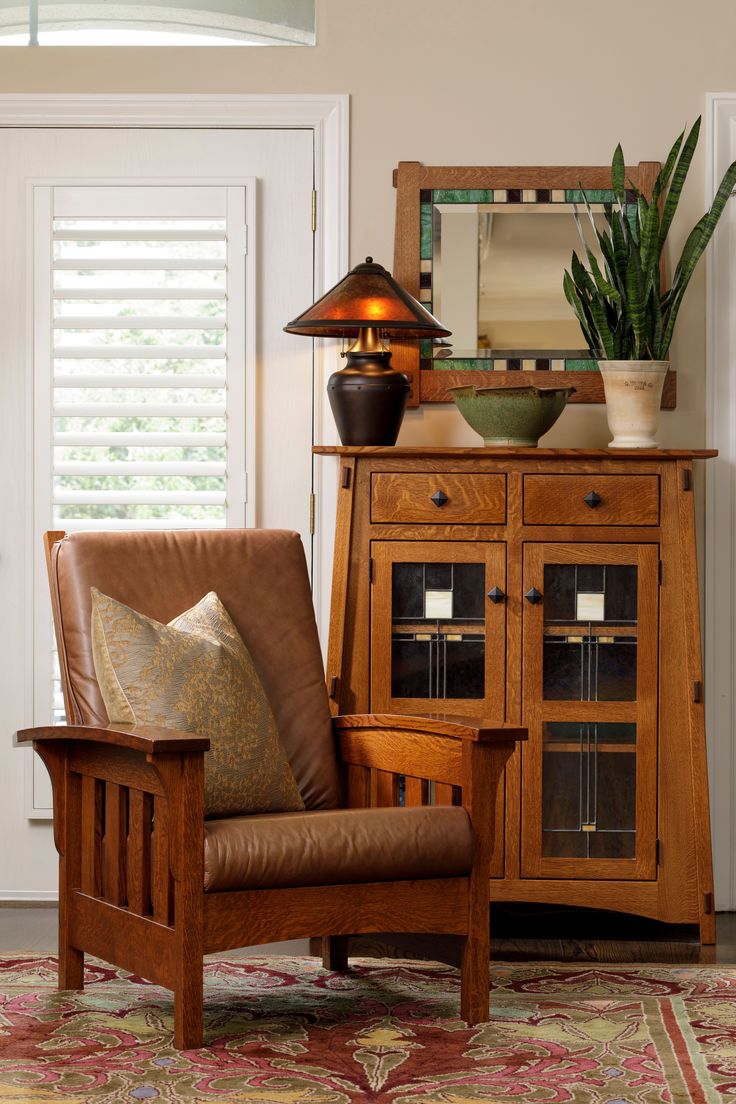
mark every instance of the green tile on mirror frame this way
{"type": "Point", "coordinates": [463, 365]}
{"type": "Point", "coordinates": [593, 195]}
{"type": "Point", "coordinates": [462, 195]}
{"type": "Point", "coordinates": [581, 365]}
{"type": "Point", "coordinates": [425, 248]}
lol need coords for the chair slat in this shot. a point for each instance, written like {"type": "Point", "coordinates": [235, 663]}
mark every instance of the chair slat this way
{"type": "Point", "coordinates": [91, 836]}
{"type": "Point", "coordinates": [139, 852]}
{"type": "Point", "coordinates": [359, 787]}
{"type": "Point", "coordinates": [114, 844]}
{"type": "Point", "coordinates": [444, 794]}
{"type": "Point", "coordinates": [385, 789]}
{"type": "Point", "coordinates": [160, 872]}
{"type": "Point", "coordinates": [416, 792]}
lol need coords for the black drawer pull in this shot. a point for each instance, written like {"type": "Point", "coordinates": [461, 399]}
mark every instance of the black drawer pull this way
{"type": "Point", "coordinates": [439, 498]}
{"type": "Point", "coordinates": [496, 595]}
{"type": "Point", "coordinates": [592, 499]}
{"type": "Point", "coordinates": [533, 596]}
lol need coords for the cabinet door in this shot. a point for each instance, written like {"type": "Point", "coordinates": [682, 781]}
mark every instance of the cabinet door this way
{"type": "Point", "coordinates": [438, 627]}
{"type": "Point", "coordinates": [590, 647]}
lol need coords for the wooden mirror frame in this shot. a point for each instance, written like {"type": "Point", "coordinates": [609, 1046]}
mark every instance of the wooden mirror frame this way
{"type": "Point", "coordinates": [413, 181]}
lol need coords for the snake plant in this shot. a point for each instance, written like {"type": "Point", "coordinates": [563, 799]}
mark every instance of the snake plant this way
{"type": "Point", "coordinates": [623, 311]}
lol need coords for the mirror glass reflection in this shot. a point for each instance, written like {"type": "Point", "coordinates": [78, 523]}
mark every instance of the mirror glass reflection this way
{"type": "Point", "coordinates": [497, 278]}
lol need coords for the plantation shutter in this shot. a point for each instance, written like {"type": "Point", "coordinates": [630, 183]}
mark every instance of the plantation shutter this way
{"type": "Point", "coordinates": [140, 349]}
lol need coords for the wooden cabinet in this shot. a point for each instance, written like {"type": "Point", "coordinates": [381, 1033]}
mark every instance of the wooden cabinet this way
{"type": "Point", "coordinates": [556, 589]}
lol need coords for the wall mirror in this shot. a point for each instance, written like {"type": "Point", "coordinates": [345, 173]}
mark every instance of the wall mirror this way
{"type": "Point", "coordinates": [484, 249]}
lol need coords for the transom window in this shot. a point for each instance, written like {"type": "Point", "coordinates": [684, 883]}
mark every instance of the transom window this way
{"type": "Point", "coordinates": [162, 23]}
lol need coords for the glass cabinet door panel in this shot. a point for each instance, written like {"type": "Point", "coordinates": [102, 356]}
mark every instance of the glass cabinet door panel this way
{"type": "Point", "coordinates": [438, 630]}
{"type": "Point", "coordinates": [436, 634]}
{"type": "Point", "coordinates": [589, 790]}
{"type": "Point", "coordinates": [589, 651]}
{"type": "Point", "coordinates": [590, 700]}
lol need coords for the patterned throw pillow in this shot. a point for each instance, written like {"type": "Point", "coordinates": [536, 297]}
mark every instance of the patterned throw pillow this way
{"type": "Point", "coordinates": [196, 674]}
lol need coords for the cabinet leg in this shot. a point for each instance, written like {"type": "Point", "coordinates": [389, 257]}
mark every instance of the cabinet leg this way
{"type": "Point", "coordinates": [708, 928]}
{"type": "Point", "coordinates": [335, 953]}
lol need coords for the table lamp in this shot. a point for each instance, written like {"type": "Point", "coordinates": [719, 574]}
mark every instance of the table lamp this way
{"type": "Point", "coordinates": [368, 397]}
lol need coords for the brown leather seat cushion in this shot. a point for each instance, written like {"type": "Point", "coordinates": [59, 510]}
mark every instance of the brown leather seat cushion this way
{"type": "Point", "coordinates": [336, 846]}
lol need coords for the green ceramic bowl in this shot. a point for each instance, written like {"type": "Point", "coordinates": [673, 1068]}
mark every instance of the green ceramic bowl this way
{"type": "Point", "coordinates": [511, 415]}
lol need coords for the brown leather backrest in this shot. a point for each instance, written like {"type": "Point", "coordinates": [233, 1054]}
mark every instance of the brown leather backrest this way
{"type": "Point", "coordinates": [260, 576]}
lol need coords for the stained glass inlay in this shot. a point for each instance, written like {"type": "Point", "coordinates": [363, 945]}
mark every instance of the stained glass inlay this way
{"type": "Point", "coordinates": [590, 632]}
{"type": "Point", "coordinates": [589, 791]}
{"type": "Point", "coordinates": [438, 630]}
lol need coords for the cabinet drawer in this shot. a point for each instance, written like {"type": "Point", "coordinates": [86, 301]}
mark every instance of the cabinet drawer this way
{"type": "Point", "coordinates": [591, 499]}
{"type": "Point", "coordinates": [441, 498]}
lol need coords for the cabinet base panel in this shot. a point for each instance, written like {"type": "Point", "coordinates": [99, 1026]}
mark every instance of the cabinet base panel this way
{"type": "Point", "coordinates": [635, 898]}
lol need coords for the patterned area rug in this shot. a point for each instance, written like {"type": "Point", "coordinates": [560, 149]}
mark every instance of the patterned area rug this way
{"type": "Point", "coordinates": [284, 1031]}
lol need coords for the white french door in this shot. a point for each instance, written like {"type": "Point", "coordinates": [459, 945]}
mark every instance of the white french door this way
{"type": "Point", "coordinates": [147, 278]}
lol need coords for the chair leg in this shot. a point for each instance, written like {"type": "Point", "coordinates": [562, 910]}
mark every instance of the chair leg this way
{"type": "Point", "coordinates": [335, 953]}
{"type": "Point", "coordinates": [71, 967]}
{"type": "Point", "coordinates": [189, 1010]}
{"type": "Point", "coordinates": [475, 972]}
{"type": "Point", "coordinates": [71, 959]}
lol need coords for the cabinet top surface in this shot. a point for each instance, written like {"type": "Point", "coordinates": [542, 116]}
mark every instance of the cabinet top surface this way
{"type": "Point", "coordinates": [511, 453]}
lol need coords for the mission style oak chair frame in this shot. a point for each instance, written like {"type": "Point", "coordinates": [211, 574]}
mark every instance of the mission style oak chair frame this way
{"type": "Point", "coordinates": [132, 892]}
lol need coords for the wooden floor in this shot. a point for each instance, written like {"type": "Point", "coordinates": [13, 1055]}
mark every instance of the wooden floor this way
{"type": "Point", "coordinates": [520, 933]}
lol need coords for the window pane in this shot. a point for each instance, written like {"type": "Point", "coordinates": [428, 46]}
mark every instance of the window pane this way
{"type": "Point", "coordinates": [142, 413]}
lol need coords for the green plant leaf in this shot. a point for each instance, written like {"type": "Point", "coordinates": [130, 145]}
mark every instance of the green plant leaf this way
{"type": "Point", "coordinates": [649, 245]}
{"type": "Point", "coordinates": [618, 174]}
{"type": "Point", "coordinates": [583, 316]}
{"type": "Point", "coordinates": [693, 250]}
{"type": "Point", "coordinates": [601, 283]}
{"type": "Point", "coordinates": [657, 326]}
{"type": "Point", "coordinates": [581, 276]}
{"type": "Point", "coordinates": [678, 179]}
{"type": "Point", "coordinates": [663, 177]}
{"type": "Point", "coordinates": [636, 300]}
{"type": "Point", "coordinates": [620, 249]}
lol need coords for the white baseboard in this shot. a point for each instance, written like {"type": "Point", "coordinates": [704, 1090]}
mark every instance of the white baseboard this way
{"type": "Point", "coordinates": [29, 897]}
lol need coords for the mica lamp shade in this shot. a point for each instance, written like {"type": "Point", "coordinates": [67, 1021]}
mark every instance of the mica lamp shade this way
{"type": "Point", "coordinates": [368, 397]}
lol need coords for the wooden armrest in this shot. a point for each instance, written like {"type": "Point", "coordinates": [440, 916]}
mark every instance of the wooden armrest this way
{"type": "Point", "coordinates": [152, 739]}
{"type": "Point", "coordinates": [432, 748]}
{"type": "Point", "coordinates": [436, 724]}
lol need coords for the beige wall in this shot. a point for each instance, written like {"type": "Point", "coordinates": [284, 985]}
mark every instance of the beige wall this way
{"type": "Point", "coordinates": [468, 82]}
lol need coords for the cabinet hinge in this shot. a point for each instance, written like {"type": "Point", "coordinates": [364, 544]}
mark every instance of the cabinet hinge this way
{"type": "Point", "coordinates": [707, 903]}
{"type": "Point", "coordinates": [657, 852]}
{"type": "Point", "coordinates": [245, 240]}
{"type": "Point", "coordinates": [697, 691]}
{"type": "Point", "coordinates": [314, 210]}
{"type": "Point", "coordinates": [332, 687]}
{"type": "Point", "coordinates": [370, 570]}
{"type": "Point", "coordinates": [311, 513]}
{"type": "Point", "coordinates": [659, 572]}
{"type": "Point", "coordinates": [345, 480]}
{"type": "Point", "coordinates": [687, 482]}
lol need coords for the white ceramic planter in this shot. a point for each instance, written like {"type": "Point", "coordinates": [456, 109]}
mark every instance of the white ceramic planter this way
{"type": "Point", "coordinates": [633, 395]}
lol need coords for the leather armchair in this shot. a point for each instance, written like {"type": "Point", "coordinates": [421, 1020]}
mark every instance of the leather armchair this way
{"type": "Point", "coordinates": [148, 884]}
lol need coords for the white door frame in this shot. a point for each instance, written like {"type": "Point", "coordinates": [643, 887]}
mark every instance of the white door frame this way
{"type": "Point", "coordinates": [720, 523]}
{"type": "Point", "coordinates": [328, 116]}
